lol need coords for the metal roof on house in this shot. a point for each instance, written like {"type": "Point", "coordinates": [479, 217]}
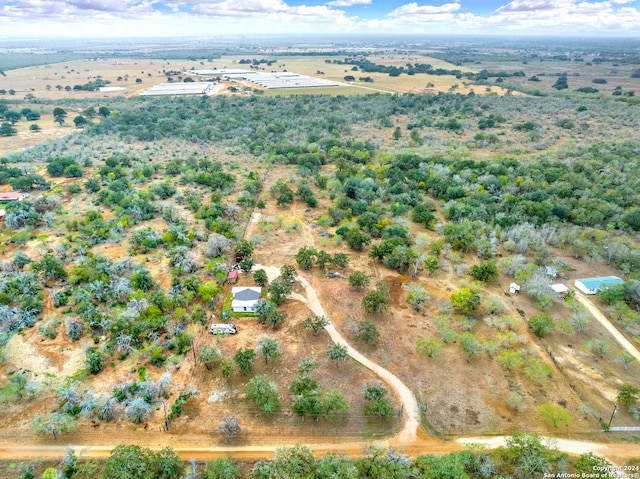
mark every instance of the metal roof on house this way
{"type": "Point", "coordinates": [246, 293]}
{"type": "Point", "coordinates": [595, 283]}
{"type": "Point", "coordinates": [12, 195]}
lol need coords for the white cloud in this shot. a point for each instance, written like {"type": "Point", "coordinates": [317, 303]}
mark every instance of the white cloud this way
{"type": "Point", "coordinates": [579, 16]}
{"type": "Point", "coordinates": [206, 17]}
{"type": "Point", "coordinates": [348, 3]}
{"type": "Point", "coordinates": [414, 9]}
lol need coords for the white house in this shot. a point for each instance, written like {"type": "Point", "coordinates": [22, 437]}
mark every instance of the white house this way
{"type": "Point", "coordinates": [245, 298]}
{"type": "Point", "coordinates": [593, 285]}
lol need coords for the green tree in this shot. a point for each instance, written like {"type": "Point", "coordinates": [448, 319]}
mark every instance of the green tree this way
{"type": "Point", "coordinates": [305, 257]}
{"type": "Point", "coordinates": [367, 332]}
{"type": "Point", "coordinates": [337, 353]}
{"type": "Point", "coordinates": [358, 280]}
{"type": "Point", "coordinates": [485, 271]}
{"type": "Point", "coordinates": [626, 359]}
{"type": "Point", "coordinates": [104, 112]}
{"type": "Point", "coordinates": [377, 402]}
{"type": "Point", "coordinates": [526, 454]}
{"type": "Point", "coordinates": [356, 239]}
{"type": "Point", "coordinates": [628, 394]}
{"type": "Point", "coordinates": [94, 360]}
{"type": "Point", "coordinates": [561, 83]}
{"type": "Point", "coordinates": [135, 462]}
{"type": "Point", "coordinates": [59, 114]}
{"type": "Point", "coordinates": [7, 129]}
{"type": "Point", "coordinates": [50, 267]}
{"type": "Point", "coordinates": [222, 468]}
{"type": "Point", "coordinates": [278, 290]}
{"type": "Point", "coordinates": [246, 264]}
{"type": "Point", "coordinates": [470, 345]}
{"type": "Point", "coordinates": [244, 359]}
{"type": "Point", "coordinates": [377, 300]}
{"type": "Point", "coordinates": [263, 391]}
{"type": "Point", "coordinates": [260, 277]}
{"type": "Point", "coordinates": [511, 360]}
{"type": "Point", "coordinates": [275, 319]}
{"type": "Point", "coordinates": [323, 259]}
{"type": "Point", "coordinates": [538, 371]}
{"type": "Point", "coordinates": [340, 260]}
{"type": "Point", "coordinates": [450, 466]}
{"type": "Point", "coordinates": [80, 121]}
{"type": "Point", "coordinates": [588, 462]}
{"type": "Point", "coordinates": [333, 403]}
{"type": "Point", "coordinates": [291, 462]}
{"type": "Point", "coordinates": [314, 323]}
{"type": "Point", "coordinates": [288, 273]}
{"type": "Point", "coordinates": [428, 347]}
{"type": "Point", "coordinates": [397, 133]}
{"type": "Point", "coordinates": [541, 324]}
{"type": "Point", "coordinates": [244, 248]}
{"type": "Point", "coordinates": [459, 235]}
{"type": "Point", "coordinates": [632, 219]}
{"type": "Point", "coordinates": [307, 403]}
{"type": "Point", "coordinates": [335, 466]}
{"type": "Point", "coordinates": [514, 401]}
{"type": "Point", "coordinates": [54, 423]}
{"type": "Point", "coordinates": [466, 300]}
{"type": "Point", "coordinates": [209, 357]}
{"type": "Point", "coordinates": [554, 415]}
{"type": "Point", "coordinates": [431, 264]}
{"type": "Point", "coordinates": [269, 348]}
{"type": "Point", "coordinates": [597, 347]}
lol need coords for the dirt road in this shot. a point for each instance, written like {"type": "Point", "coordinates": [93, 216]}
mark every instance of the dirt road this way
{"type": "Point", "coordinates": [410, 408]}
{"type": "Point", "coordinates": [602, 319]}
{"type": "Point", "coordinates": [616, 453]}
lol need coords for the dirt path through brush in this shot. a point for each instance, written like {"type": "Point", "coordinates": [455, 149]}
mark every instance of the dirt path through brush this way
{"type": "Point", "coordinates": [602, 319]}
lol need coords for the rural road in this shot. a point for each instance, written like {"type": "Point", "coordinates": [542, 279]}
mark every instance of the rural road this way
{"type": "Point", "coordinates": [602, 319]}
{"type": "Point", "coordinates": [615, 453]}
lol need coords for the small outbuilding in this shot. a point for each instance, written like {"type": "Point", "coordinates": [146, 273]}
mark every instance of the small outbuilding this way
{"type": "Point", "coordinates": [245, 298]}
{"type": "Point", "coordinates": [514, 288]}
{"type": "Point", "coordinates": [560, 288]}
{"type": "Point", "coordinates": [232, 277]}
{"type": "Point", "coordinates": [593, 285]}
{"type": "Point", "coordinates": [13, 196]}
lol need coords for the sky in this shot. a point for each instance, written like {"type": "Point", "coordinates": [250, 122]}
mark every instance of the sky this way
{"type": "Point", "coordinates": [215, 18]}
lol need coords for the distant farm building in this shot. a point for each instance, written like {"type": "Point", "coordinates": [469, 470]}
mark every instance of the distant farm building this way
{"type": "Point", "coordinates": [593, 285]}
{"type": "Point", "coordinates": [245, 299]}
{"type": "Point", "coordinates": [269, 81]}
{"type": "Point", "coordinates": [169, 89]}
{"type": "Point", "coordinates": [13, 196]}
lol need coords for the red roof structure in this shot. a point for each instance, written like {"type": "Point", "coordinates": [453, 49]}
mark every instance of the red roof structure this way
{"type": "Point", "coordinates": [232, 277]}
{"type": "Point", "coordinates": [12, 196]}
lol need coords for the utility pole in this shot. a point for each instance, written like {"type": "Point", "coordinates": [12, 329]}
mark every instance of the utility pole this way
{"type": "Point", "coordinates": [166, 419]}
{"type": "Point", "coordinates": [615, 410]}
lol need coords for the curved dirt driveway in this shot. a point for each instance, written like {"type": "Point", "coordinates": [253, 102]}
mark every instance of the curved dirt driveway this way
{"type": "Point", "coordinates": [411, 411]}
{"type": "Point", "coordinates": [602, 319]}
